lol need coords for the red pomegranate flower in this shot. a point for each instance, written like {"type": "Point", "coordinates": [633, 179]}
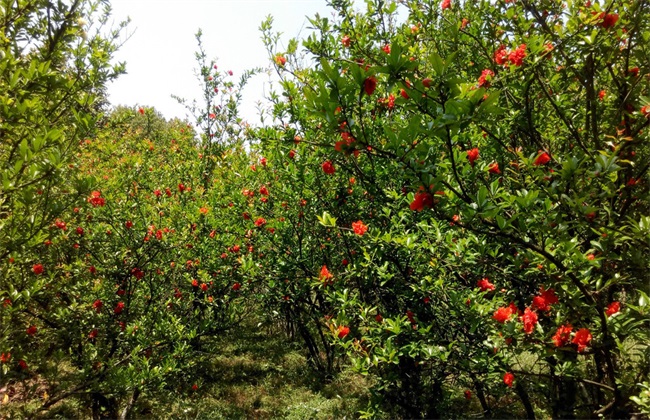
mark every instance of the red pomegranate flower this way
{"type": "Point", "coordinates": [328, 167]}
{"type": "Point", "coordinates": [582, 338]}
{"type": "Point", "coordinates": [502, 314]}
{"type": "Point", "coordinates": [260, 222]}
{"type": "Point", "coordinates": [645, 110]}
{"type": "Point", "coordinates": [545, 299]}
{"type": "Point", "coordinates": [325, 274]}
{"type": "Point", "coordinates": [343, 331]}
{"type": "Point", "coordinates": [485, 285]}
{"type": "Point", "coordinates": [529, 318]}
{"type": "Point", "coordinates": [517, 56]}
{"type": "Point", "coordinates": [96, 200]}
{"type": "Point", "coordinates": [280, 60]}
{"type": "Point", "coordinates": [613, 308]}
{"type": "Point", "coordinates": [446, 4]}
{"type": "Point", "coordinates": [119, 308]}
{"type": "Point", "coordinates": [508, 379]}
{"type": "Point", "coordinates": [97, 305]}
{"type": "Point", "coordinates": [359, 228]}
{"type": "Point", "coordinates": [562, 335]}
{"type": "Point", "coordinates": [609, 19]}
{"type": "Point", "coordinates": [38, 269]}
{"type": "Point", "coordinates": [542, 159]}
{"type": "Point", "coordinates": [421, 200]}
{"type": "Point", "coordinates": [472, 155]}
{"type": "Point", "coordinates": [500, 55]}
{"type": "Point", "coordinates": [494, 169]}
{"type": "Point", "coordinates": [485, 78]}
{"type": "Point", "coordinates": [369, 85]}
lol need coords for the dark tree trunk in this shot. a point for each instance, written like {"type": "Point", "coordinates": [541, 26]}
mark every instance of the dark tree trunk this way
{"type": "Point", "coordinates": [525, 400]}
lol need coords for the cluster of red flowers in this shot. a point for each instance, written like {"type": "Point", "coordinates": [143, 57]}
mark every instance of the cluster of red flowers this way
{"type": "Point", "coordinates": [346, 144]}
{"type": "Point", "coordinates": [562, 335]}
{"type": "Point", "coordinates": [485, 78]}
{"type": "Point", "coordinates": [545, 299]}
{"type": "Point", "coordinates": [581, 338]}
{"type": "Point", "coordinates": [485, 285]}
{"type": "Point", "coordinates": [529, 318]}
{"type": "Point", "coordinates": [260, 222]}
{"type": "Point", "coordinates": [359, 227]}
{"type": "Point", "coordinates": [503, 314]}
{"type": "Point", "coordinates": [388, 102]}
{"type": "Point", "coordinates": [516, 56]}
{"type": "Point", "coordinates": [421, 200]}
{"type": "Point", "coordinates": [608, 19]}
{"type": "Point", "coordinates": [96, 199]}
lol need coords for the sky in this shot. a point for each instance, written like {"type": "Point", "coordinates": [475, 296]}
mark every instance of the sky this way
{"type": "Point", "coordinates": [159, 53]}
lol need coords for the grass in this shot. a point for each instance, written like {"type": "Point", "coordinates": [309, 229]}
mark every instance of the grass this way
{"type": "Point", "coordinates": [258, 374]}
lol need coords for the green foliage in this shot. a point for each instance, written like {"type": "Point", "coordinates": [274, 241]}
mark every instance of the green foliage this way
{"type": "Point", "coordinates": [449, 198]}
{"type": "Point", "coordinates": [518, 133]}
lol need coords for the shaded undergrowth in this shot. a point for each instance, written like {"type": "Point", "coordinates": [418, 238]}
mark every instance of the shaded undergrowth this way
{"type": "Point", "coordinates": [257, 374]}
